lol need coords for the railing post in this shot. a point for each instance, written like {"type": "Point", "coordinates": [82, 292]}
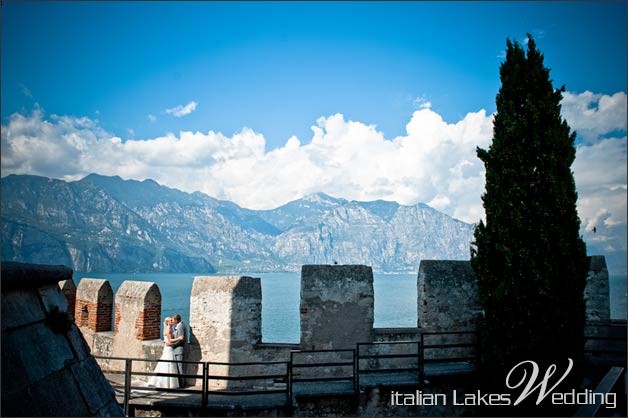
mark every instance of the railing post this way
{"type": "Point", "coordinates": [290, 371]}
{"type": "Point", "coordinates": [355, 372]}
{"type": "Point", "coordinates": [288, 383]}
{"type": "Point", "coordinates": [128, 364]}
{"type": "Point", "coordinates": [476, 335]}
{"type": "Point", "coordinates": [421, 348]}
{"type": "Point", "coordinates": [204, 386]}
{"type": "Point", "coordinates": [290, 380]}
{"type": "Point", "coordinates": [357, 367]}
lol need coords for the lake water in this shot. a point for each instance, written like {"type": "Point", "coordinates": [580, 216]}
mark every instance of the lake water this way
{"type": "Point", "coordinates": [395, 299]}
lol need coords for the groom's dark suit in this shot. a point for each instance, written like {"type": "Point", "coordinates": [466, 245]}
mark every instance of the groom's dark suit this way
{"type": "Point", "coordinates": [178, 349]}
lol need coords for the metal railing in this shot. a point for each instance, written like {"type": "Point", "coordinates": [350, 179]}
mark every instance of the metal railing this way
{"type": "Point", "coordinates": [334, 366]}
{"type": "Point", "coordinates": [373, 360]}
{"type": "Point", "coordinates": [606, 339]}
{"type": "Point", "coordinates": [205, 377]}
{"type": "Point", "coordinates": [305, 368]}
{"type": "Point", "coordinates": [128, 373]}
{"type": "Point", "coordinates": [456, 357]}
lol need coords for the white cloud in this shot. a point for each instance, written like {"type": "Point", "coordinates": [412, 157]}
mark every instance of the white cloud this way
{"type": "Point", "coordinates": [182, 110]}
{"type": "Point", "coordinates": [422, 103]}
{"type": "Point", "coordinates": [592, 115]}
{"type": "Point", "coordinates": [151, 117]}
{"type": "Point", "coordinates": [600, 173]}
{"type": "Point", "coordinates": [433, 162]}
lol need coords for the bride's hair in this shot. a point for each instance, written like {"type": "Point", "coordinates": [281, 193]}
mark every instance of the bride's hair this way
{"type": "Point", "coordinates": [166, 321]}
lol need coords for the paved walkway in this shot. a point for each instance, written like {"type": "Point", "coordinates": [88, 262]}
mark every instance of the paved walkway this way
{"type": "Point", "coordinates": [190, 397]}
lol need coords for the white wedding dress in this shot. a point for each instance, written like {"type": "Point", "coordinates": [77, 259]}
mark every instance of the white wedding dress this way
{"type": "Point", "coordinates": [170, 382]}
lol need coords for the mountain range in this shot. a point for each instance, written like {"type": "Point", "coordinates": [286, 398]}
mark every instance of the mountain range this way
{"type": "Point", "coordinates": [107, 224]}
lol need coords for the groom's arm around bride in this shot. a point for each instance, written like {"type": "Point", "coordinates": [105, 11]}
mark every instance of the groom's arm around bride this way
{"type": "Point", "coordinates": [178, 344]}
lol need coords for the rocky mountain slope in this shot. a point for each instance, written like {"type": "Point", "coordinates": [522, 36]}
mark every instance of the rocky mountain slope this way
{"type": "Point", "coordinates": [106, 224]}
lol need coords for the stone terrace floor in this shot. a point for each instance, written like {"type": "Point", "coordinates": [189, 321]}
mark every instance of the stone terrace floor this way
{"type": "Point", "coordinates": [154, 398]}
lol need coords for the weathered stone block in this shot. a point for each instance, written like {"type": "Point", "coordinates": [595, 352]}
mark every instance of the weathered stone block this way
{"type": "Point", "coordinates": [20, 307]}
{"type": "Point", "coordinates": [138, 310]}
{"type": "Point", "coordinates": [96, 390]}
{"type": "Point", "coordinates": [78, 343]}
{"type": "Point", "coordinates": [226, 316]}
{"type": "Point", "coordinates": [103, 343]}
{"type": "Point", "coordinates": [94, 304]}
{"type": "Point", "coordinates": [336, 306]}
{"type": "Point", "coordinates": [52, 297]}
{"type": "Point", "coordinates": [34, 352]}
{"type": "Point", "coordinates": [133, 299]}
{"type": "Point", "coordinates": [38, 354]}
{"type": "Point", "coordinates": [447, 296]}
{"type": "Point", "coordinates": [596, 291]}
{"type": "Point", "coordinates": [59, 394]}
{"type": "Point", "coordinates": [68, 288]}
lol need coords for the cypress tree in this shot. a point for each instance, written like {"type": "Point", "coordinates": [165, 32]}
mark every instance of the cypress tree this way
{"type": "Point", "coordinates": [528, 256]}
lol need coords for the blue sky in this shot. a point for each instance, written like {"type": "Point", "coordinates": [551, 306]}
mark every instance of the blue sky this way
{"type": "Point", "coordinates": [264, 103]}
{"type": "Point", "coordinates": [277, 67]}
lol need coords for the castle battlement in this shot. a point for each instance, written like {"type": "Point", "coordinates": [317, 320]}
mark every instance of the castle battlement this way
{"type": "Point", "coordinates": [336, 311]}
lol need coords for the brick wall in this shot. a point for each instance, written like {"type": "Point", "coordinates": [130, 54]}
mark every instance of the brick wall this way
{"type": "Point", "coordinates": [116, 320]}
{"type": "Point", "coordinates": [138, 310]}
{"type": "Point", "coordinates": [148, 322]}
{"type": "Point", "coordinates": [93, 315]}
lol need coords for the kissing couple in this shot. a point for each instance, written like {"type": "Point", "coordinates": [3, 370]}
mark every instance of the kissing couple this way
{"type": "Point", "coordinates": [175, 336]}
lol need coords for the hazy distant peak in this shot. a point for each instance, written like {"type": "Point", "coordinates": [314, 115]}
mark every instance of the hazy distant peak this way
{"type": "Point", "coordinates": [321, 197]}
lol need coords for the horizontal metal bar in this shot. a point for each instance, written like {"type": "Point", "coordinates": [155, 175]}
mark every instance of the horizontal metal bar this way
{"type": "Point", "coordinates": [323, 379]}
{"type": "Point", "coordinates": [173, 390]}
{"type": "Point", "coordinates": [294, 366]}
{"type": "Point", "coordinates": [411, 369]}
{"type": "Point", "coordinates": [447, 332]}
{"type": "Point", "coordinates": [258, 363]}
{"type": "Point", "coordinates": [595, 337]}
{"type": "Point", "coordinates": [449, 360]}
{"type": "Point", "coordinates": [275, 376]}
{"type": "Point", "coordinates": [388, 343]}
{"type": "Point", "coordinates": [252, 392]}
{"type": "Point", "coordinates": [146, 360]}
{"type": "Point", "coordinates": [388, 356]}
{"type": "Point", "coordinates": [457, 345]}
{"type": "Point", "coordinates": [197, 376]}
{"type": "Point", "coordinates": [113, 371]}
{"type": "Point", "coordinates": [347, 350]}
{"type": "Point", "coordinates": [605, 351]}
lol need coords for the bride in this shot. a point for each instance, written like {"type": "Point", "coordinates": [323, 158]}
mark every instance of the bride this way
{"type": "Point", "coordinates": [170, 366]}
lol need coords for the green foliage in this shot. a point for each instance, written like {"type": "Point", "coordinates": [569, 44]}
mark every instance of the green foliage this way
{"type": "Point", "coordinates": [530, 261]}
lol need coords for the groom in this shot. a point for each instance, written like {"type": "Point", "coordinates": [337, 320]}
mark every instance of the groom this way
{"type": "Point", "coordinates": [179, 337]}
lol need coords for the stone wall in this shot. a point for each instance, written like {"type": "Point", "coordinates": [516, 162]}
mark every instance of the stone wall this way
{"type": "Point", "coordinates": [137, 324]}
{"type": "Point", "coordinates": [138, 310]}
{"type": "Point", "coordinates": [94, 305]}
{"type": "Point", "coordinates": [68, 288]}
{"type": "Point", "coordinates": [226, 316]}
{"type": "Point", "coordinates": [447, 296]}
{"type": "Point", "coordinates": [336, 306]}
{"type": "Point", "coordinates": [596, 292]}
{"type": "Point", "coordinates": [47, 369]}
{"type": "Point", "coordinates": [336, 313]}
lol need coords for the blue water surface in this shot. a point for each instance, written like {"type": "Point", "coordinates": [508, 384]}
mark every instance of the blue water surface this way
{"type": "Point", "coordinates": [395, 299]}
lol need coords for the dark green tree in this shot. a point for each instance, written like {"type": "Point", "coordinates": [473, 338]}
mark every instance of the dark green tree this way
{"type": "Point", "coordinates": [528, 256]}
